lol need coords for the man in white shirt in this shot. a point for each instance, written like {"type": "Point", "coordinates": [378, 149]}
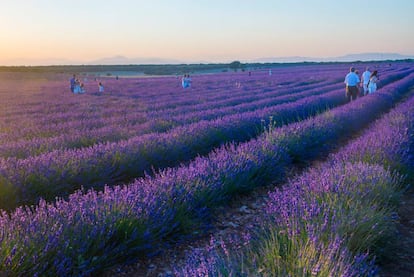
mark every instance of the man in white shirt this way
{"type": "Point", "coordinates": [351, 81]}
{"type": "Point", "coordinates": [365, 80]}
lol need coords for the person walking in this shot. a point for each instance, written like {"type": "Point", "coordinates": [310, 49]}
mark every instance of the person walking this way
{"type": "Point", "coordinates": [372, 84]}
{"type": "Point", "coordinates": [351, 81]}
{"type": "Point", "coordinates": [365, 79]}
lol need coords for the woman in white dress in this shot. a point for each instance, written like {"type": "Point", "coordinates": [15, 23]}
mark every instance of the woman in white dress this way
{"type": "Point", "coordinates": [372, 84]}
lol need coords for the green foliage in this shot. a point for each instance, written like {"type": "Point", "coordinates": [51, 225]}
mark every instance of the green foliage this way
{"type": "Point", "coordinates": [235, 65]}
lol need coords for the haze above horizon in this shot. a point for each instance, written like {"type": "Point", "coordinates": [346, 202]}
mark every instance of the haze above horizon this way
{"type": "Point", "coordinates": [44, 32]}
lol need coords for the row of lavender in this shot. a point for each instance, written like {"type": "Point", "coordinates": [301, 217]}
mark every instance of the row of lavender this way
{"type": "Point", "coordinates": [334, 220]}
{"type": "Point", "coordinates": [71, 115]}
{"type": "Point", "coordinates": [74, 109]}
{"type": "Point", "coordinates": [68, 112]}
{"type": "Point", "coordinates": [96, 229]}
{"type": "Point", "coordinates": [60, 172]}
{"type": "Point", "coordinates": [86, 132]}
{"type": "Point", "coordinates": [161, 89]}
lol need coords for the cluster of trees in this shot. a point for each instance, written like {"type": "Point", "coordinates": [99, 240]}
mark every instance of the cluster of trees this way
{"type": "Point", "coordinates": [151, 69]}
{"type": "Point", "coordinates": [167, 69]}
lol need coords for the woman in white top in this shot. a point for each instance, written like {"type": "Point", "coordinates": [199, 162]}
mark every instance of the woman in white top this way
{"type": "Point", "coordinates": [372, 84]}
{"type": "Point", "coordinates": [101, 87]}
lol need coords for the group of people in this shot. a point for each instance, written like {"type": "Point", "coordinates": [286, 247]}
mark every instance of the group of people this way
{"type": "Point", "coordinates": [186, 81]}
{"type": "Point", "coordinates": [77, 87]}
{"type": "Point", "coordinates": [368, 82]}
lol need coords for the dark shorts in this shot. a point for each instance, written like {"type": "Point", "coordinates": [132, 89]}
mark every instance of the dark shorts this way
{"type": "Point", "coordinates": [352, 92]}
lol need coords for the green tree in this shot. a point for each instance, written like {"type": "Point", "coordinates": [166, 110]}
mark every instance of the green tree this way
{"type": "Point", "coordinates": [235, 65]}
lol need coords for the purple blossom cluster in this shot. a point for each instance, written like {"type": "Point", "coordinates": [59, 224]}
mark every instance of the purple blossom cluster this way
{"type": "Point", "coordinates": [333, 219]}
{"type": "Point", "coordinates": [93, 229]}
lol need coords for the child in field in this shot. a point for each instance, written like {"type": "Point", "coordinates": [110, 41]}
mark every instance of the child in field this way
{"type": "Point", "coordinates": [101, 87]}
{"type": "Point", "coordinates": [82, 88]}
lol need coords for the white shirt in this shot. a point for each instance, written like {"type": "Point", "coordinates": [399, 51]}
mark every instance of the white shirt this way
{"type": "Point", "coordinates": [351, 79]}
{"type": "Point", "coordinates": [365, 76]}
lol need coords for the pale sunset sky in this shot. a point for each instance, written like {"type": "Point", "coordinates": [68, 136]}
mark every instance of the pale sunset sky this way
{"type": "Point", "coordinates": [41, 32]}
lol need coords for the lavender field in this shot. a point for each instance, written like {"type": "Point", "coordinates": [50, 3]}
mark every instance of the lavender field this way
{"type": "Point", "coordinates": [94, 180]}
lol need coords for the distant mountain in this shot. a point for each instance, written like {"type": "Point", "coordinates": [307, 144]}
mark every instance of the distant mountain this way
{"type": "Point", "coordinates": [345, 58]}
{"type": "Point", "coordinates": [372, 57]}
{"type": "Point", "coordinates": [122, 60]}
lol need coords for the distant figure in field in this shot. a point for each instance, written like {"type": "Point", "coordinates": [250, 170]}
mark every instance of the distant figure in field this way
{"type": "Point", "coordinates": [100, 87]}
{"type": "Point", "coordinates": [76, 87]}
{"type": "Point", "coordinates": [82, 88]}
{"type": "Point", "coordinates": [358, 92]}
{"type": "Point", "coordinates": [79, 87]}
{"type": "Point", "coordinates": [372, 84]}
{"type": "Point", "coordinates": [186, 81]}
{"type": "Point", "coordinates": [183, 81]}
{"type": "Point", "coordinates": [72, 83]}
{"type": "Point", "coordinates": [270, 72]}
{"type": "Point", "coordinates": [365, 79]}
{"type": "Point", "coordinates": [351, 82]}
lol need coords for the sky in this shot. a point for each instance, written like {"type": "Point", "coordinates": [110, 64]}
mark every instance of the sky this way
{"type": "Point", "coordinates": [42, 32]}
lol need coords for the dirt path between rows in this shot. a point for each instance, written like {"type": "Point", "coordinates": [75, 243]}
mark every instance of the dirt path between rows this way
{"type": "Point", "coordinates": [234, 218]}
{"type": "Point", "coordinates": [402, 264]}
{"type": "Point", "coordinates": [242, 212]}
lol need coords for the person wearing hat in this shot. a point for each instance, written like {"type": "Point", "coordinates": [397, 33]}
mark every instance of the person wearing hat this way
{"type": "Point", "coordinates": [351, 82]}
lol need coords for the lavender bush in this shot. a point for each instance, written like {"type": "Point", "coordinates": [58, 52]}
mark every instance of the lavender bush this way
{"type": "Point", "coordinates": [93, 229]}
{"type": "Point", "coordinates": [59, 173]}
{"type": "Point", "coordinates": [316, 223]}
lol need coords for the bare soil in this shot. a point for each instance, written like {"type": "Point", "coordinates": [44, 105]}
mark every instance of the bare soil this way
{"type": "Point", "coordinates": [239, 215]}
{"type": "Point", "coordinates": [402, 264]}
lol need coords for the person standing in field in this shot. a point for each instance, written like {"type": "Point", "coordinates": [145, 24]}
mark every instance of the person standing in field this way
{"type": "Point", "coordinates": [358, 92]}
{"type": "Point", "coordinates": [186, 81]}
{"type": "Point", "coordinates": [351, 82]}
{"type": "Point", "coordinates": [372, 84]}
{"type": "Point", "coordinates": [365, 79]}
{"type": "Point", "coordinates": [72, 83]}
{"type": "Point", "coordinates": [183, 81]}
{"type": "Point", "coordinates": [100, 87]}
{"type": "Point", "coordinates": [77, 87]}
